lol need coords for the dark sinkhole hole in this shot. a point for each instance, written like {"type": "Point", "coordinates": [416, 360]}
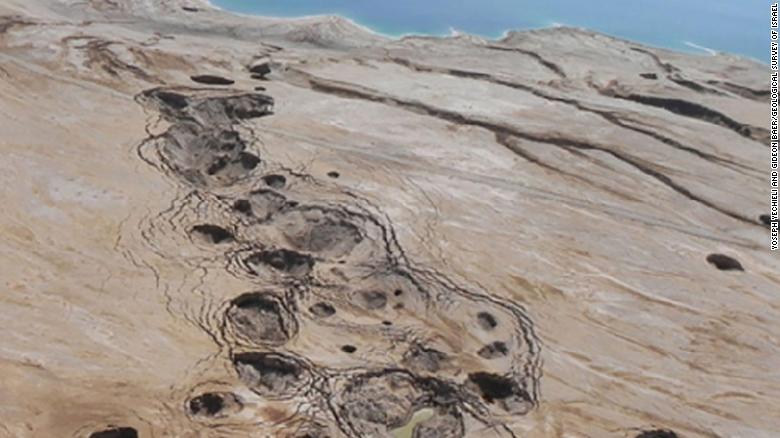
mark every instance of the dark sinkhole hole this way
{"type": "Point", "coordinates": [213, 233]}
{"type": "Point", "coordinates": [173, 100]}
{"type": "Point", "coordinates": [658, 433]}
{"type": "Point", "coordinates": [275, 181]}
{"type": "Point", "coordinates": [258, 301]}
{"type": "Point", "coordinates": [373, 300]}
{"type": "Point", "coordinates": [486, 321]}
{"type": "Point", "coordinates": [242, 206]}
{"type": "Point", "coordinates": [322, 310]}
{"type": "Point", "coordinates": [494, 387]}
{"type": "Point", "coordinates": [424, 358]}
{"type": "Point", "coordinates": [261, 70]}
{"type": "Point", "coordinates": [283, 260]}
{"type": "Point", "coordinates": [724, 262]}
{"type": "Point", "coordinates": [261, 317]}
{"type": "Point", "coordinates": [209, 404]}
{"type": "Point", "coordinates": [493, 350]}
{"type": "Point", "coordinates": [766, 219]}
{"type": "Point", "coordinates": [229, 145]}
{"type": "Point", "coordinates": [218, 164]}
{"type": "Point", "coordinates": [268, 363]}
{"type": "Point", "coordinates": [116, 432]}
{"type": "Point", "coordinates": [333, 174]}
{"type": "Point", "coordinates": [269, 374]}
{"type": "Point", "coordinates": [248, 160]}
{"type": "Point", "coordinates": [248, 106]}
{"type": "Point", "coordinates": [212, 80]}
{"type": "Point", "coordinates": [348, 349]}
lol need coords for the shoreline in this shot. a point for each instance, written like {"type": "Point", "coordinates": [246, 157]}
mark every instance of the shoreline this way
{"type": "Point", "coordinates": [685, 47]}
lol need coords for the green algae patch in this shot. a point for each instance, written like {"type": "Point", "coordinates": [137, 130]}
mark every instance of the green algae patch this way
{"type": "Point", "coordinates": [417, 418]}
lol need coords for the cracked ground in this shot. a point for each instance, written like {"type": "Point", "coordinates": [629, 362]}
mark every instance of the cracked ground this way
{"type": "Point", "coordinates": [222, 226]}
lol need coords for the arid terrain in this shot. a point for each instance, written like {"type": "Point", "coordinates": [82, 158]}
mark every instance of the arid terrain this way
{"type": "Point", "coordinates": [228, 226]}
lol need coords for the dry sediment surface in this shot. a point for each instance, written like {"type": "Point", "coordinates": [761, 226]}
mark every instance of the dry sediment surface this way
{"type": "Point", "coordinates": [556, 234]}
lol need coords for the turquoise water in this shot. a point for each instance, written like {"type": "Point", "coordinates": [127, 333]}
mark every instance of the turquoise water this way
{"type": "Point", "coordinates": [735, 26]}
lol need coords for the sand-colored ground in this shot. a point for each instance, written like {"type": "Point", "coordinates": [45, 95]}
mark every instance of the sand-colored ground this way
{"type": "Point", "coordinates": [481, 238]}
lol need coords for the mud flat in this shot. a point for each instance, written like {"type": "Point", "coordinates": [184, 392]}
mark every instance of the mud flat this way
{"type": "Point", "coordinates": [233, 226]}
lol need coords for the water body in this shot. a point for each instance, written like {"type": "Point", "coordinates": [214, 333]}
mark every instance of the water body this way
{"type": "Point", "coordinates": [734, 26]}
